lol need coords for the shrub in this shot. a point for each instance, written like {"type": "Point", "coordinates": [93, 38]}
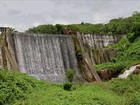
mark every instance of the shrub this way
{"type": "Point", "coordinates": [131, 37]}
{"type": "Point", "coordinates": [134, 34]}
{"type": "Point", "coordinates": [67, 86]}
{"type": "Point", "coordinates": [14, 87]}
{"type": "Point", "coordinates": [70, 75]}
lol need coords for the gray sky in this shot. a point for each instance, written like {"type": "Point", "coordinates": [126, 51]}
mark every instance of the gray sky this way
{"type": "Point", "coordinates": [23, 14]}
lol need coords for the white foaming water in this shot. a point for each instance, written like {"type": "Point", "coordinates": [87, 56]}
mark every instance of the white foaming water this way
{"type": "Point", "coordinates": [128, 72]}
{"type": "Point", "coordinates": [47, 57]}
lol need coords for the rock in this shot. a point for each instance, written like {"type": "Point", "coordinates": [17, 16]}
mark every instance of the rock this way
{"type": "Point", "coordinates": [138, 67]}
{"type": "Point", "coordinates": [105, 74]}
{"type": "Point", "coordinates": [108, 73]}
{"type": "Point", "coordinates": [136, 71]}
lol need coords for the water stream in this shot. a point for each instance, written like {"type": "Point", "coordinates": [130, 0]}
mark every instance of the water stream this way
{"type": "Point", "coordinates": [128, 72]}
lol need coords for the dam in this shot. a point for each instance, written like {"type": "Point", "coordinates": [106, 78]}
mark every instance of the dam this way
{"type": "Point", "coordinates": [48, 57]}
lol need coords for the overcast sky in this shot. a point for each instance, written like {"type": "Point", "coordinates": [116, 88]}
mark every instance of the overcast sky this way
{"type": "Point", "coordinates": [23, 14]}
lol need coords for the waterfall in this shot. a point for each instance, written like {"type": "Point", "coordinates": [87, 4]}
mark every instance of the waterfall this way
{"type": "Point", "coordinates": [47, 57]}
{"type": "Point", "coordinates": [128, 72]}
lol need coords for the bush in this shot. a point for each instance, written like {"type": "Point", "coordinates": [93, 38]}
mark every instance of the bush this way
{"type": "Point", "coordinates": [131, 37]}
{"type": "Point", "coordinates": [122, 45]}
{"type": "Point", "coordinates": [14, 87]}
{"type": "Point", "coordinates": [70, 75]}
{"type": "Point", "coordinates": [134, 34]}
{"type": "Point", "coordinates": [67, 86]}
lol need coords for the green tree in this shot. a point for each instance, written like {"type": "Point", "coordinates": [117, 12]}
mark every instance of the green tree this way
{"type": "Point", "coordinates": [43, 29]}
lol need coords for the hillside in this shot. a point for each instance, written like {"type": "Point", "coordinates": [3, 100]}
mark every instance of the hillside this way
{"type": "Point", "coordinates": [20, 89]}
{"type": "Point", "coordinates": [128, 55]}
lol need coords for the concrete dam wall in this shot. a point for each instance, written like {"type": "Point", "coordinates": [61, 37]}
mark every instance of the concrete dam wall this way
{"type": "Point", "coordinates": [95, 47]}
{"type": "Point", "coordinates": [46, 57]}
{"type": "Point", "coordinates": [100, 41]}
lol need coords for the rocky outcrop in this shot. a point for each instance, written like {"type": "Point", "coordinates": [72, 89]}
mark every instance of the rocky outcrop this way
{"type": "Point", "coordinates": [105, 74]}
{"type": "Point", "coordinates": [108, 73]}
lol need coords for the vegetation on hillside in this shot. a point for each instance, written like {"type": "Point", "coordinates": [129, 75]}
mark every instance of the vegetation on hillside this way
{"type": "Point", "coordinates": [128, 48]}
{"type": "Point", "coordinates": [128, 55]}
{"type": "Point", "coordinates": [115, 26]}
{"type": "Point", "coordinates": [20, 89]}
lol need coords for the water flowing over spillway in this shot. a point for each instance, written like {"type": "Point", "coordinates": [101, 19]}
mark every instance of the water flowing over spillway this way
{"type": "Point", "coordinates": [46, 57]}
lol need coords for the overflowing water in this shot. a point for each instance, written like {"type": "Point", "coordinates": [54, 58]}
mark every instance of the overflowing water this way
{"type": "Point", "coordinates": [128, 72]}
{"type": "Point", "coordinates": [46, 57]}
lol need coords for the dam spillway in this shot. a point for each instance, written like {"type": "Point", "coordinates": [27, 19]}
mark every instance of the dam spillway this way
{"type": "Point", "coordinates": [47, 57]}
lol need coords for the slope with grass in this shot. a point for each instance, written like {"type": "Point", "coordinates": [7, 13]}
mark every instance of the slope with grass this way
{"type": "Point", "coordinates": [128, 55]}
{"type": "Point", "coordinates": [20, 89]}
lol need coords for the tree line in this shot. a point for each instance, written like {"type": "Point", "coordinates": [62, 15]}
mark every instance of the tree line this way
{"type": "Point", "coordinates": [117, 26]}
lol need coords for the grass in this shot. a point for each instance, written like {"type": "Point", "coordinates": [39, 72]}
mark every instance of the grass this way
{"type": "Point", "coordinates": [20, 89]}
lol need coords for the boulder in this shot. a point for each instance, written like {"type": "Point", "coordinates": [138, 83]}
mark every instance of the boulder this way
{"type": "Point", "coordinates": [137, 70]}
{"type": "Point", "coordinates": [105, 74]}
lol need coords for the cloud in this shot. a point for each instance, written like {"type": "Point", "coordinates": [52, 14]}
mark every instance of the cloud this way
{"type": "Point", "coordinates": [36, 24]}
{"type": "Point", "coordinates": [13, 12]}
{"type": "Point", "coordinates": [3, 5]}
{"type": "Point", "coordinates": [21, 27]}
{"type": "Point", "coordinates": [7, 25]}
{"type": "Point", "coordinates": [28, 13]}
